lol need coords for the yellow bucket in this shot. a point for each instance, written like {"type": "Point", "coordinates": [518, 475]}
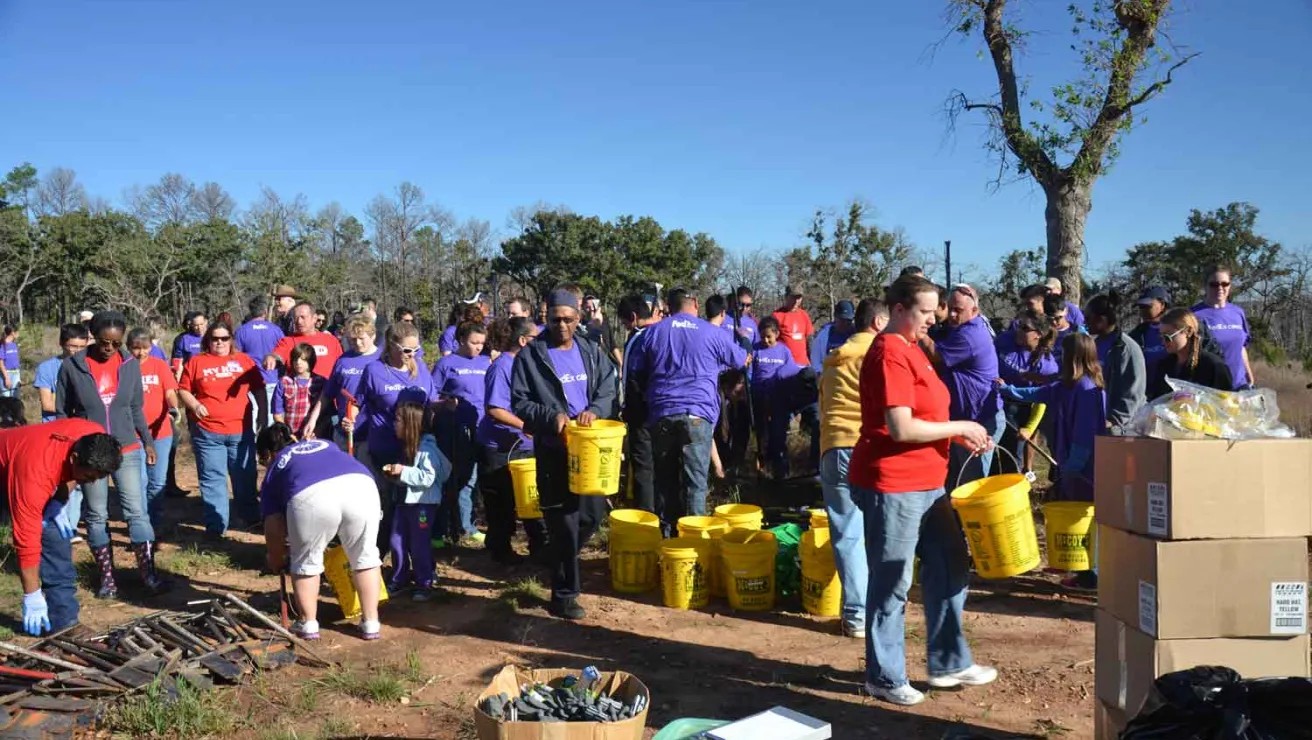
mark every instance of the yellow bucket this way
{"type": "Point", "coordinates": [684, 566]}
{"type": "Point", "coordinates": [712, 528]}
{"type": "Point", "coordinates": [1072, 539]}
{"type": "Point", "coordinates": [594, 457]}
{"type": "Point", "coordinates": [822, 592]}
{"type": "Point", "coordinates": [819, 518]}
{"type": "Point", "coordinates": [634, 547]}
{"type": "Point", "coordinates": [995, 513]}
{"type": "Point", "coordinates": [337, 569]}
{"type": "Point", "coordinates": [524, 478]}
{"type": "Point", "coordinates": [741, 516]}
{"type": "Point", "coordinates": [748, 559]}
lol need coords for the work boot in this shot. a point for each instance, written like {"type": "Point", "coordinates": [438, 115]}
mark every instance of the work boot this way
{"type": "Point", "coordinates": [567, 609]}
{"type": "Point", "coordinates": [145, 552]}
{"type": "Point", "coordinates": [104, 556]}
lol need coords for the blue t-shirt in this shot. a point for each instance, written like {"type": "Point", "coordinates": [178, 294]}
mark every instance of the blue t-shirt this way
{"type": "Point", "coordinates": [46, 375]}
{"type": "Point", "coordinates": [346, 376]}
{"type": "Point", "coordinates": [187, 346]}
{"type": "Point", "coordinates": [970, 371]}
{"type": "Point", "coordinates": [381, 388]}
{"type": "Point", "coordinates": [464, 378]}
{"type": "Point", "coordinates": [771, 365]}
{"type": "Point", "coordinates": [573, 377]}
{"type": "Point", "coordinates": [683, 357]}
{"type": "Point", "coordinates": [9, 350]}
{"type": "Point", "coordinates": [747, 328]}
{"type": "Point", "coordinates": [156, 351]}
{"type": "Point", "coordinates": [496, 394]}
{"type": "Point", "coordinates": [302, 465]}
{"type": "Point", "coordinates": [257, 338]}
{"type": "Point", "coordinates": [447, 342]}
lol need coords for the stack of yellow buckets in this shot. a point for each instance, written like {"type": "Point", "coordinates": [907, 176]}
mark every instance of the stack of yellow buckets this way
{"type": "Point", "coordinates": [726, 555]}
{"type": "Point", "coordinates": [822, 593]}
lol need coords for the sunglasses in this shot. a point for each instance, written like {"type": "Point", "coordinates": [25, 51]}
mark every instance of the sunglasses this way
{"type": "Point", "coordinates": [1215, 284]}
{"type": "Point", "coordinates": [1171, 337]}
{"type": "Point", "coordinates": [744, 305]}
{"type": "Point", "coordinates": [1028, 329]}
{"type": "Point", "coordinates": [407, 351]}
{"type": "Point", "coordinates": [217, 338]}
{"type": "Point", "coordinates": [561, 320]}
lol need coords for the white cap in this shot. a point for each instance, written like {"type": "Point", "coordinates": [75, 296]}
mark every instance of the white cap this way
{"type": "Point", "coordinates": [1053, 284]}
{"type": "Point", "coordinates": [85, 316]}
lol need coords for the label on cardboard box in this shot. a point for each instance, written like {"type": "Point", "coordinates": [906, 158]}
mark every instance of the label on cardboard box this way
{"type": "Point", "coordinates": [1288, 608]}
{"type": "Point", "coordinates": [1158, 509]}
{"type": "Point", "coordinates": [1148, 608]}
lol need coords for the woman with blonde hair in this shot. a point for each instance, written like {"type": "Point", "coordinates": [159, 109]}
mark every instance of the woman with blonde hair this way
{"type": "Point", "coordinates": [1185, 357]}
{"type": "Point", "coordinates": [343, 385]}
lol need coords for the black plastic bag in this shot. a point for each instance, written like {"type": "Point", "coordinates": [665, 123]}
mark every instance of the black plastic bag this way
{"type": "Point", "coordinates": [1213, 703]}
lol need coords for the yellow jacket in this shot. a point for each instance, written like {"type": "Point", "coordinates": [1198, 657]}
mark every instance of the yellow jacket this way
{"type": "Point", "coordinates": [840, 393]}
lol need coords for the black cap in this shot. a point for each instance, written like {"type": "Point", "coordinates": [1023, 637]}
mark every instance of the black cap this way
{"type": "Point", "coordinates": [1155, 292]}
{"type": "Point", "coordinates": [845, 310]}
{"type": "Point", "coordinates": [791, 291]}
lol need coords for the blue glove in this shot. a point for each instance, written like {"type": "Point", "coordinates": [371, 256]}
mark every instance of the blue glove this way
{"type": "Point", "coordinates": [56, 513]}
{"type": "Point", "coordinates": [36, 616]}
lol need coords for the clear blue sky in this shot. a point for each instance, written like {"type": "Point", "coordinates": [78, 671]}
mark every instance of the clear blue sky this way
{"type": "Point", "coordinates": [734, 118]}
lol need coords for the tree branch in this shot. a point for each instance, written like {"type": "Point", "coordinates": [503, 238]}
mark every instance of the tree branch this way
{"type": "Point", "coordinates": [1021, 143]}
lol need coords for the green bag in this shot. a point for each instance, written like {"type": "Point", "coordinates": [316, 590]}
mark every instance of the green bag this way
{"type": "Point", "coordinates": [787, 569]}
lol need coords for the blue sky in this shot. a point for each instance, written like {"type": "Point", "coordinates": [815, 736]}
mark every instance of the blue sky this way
{"type": "Point", "coordinates": [734, 118]}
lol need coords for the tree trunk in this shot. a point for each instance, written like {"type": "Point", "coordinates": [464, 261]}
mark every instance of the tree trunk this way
{"type": "Point", "coordinates": [1066, 213]}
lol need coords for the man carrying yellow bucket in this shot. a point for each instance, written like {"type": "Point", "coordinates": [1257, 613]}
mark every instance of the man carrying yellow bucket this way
{"type": "Point", "coordinates": [558, 378]}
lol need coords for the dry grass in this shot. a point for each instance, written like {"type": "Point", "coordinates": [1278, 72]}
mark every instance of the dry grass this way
{"type": "Point", "coordinates": [1290, 384]}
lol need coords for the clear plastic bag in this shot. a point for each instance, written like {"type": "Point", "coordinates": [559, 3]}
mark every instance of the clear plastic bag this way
{"type": "Point", "coordinates": [1193, 411]}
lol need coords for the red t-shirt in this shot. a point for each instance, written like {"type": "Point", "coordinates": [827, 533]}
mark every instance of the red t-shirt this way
{"type": "Point", "coordinates": [897, 373]}
{"type": "Point", "coordinates": [327, 349]}
{"type": "Point", "coordinates": [794, 328]}
{"type": "Point", "coordinates": [33, 463]}
{"type": "Point", "coordinates": [156, 382]}
{"type": "Point", "coordinates": [106, 376]}
{"type": "Point", "coordinates": [221, 384]}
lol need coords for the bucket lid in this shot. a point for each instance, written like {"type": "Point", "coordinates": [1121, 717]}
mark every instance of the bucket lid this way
{"type": "Point", "coordinates": [700, 523]}
{"type": "Point", "coordinates": [635, 516]}
{"type": "Point", "coordinates": [738, 510]}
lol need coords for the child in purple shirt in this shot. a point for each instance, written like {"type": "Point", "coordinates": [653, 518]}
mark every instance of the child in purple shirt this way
{"type": "Point", "coordinates": [460, 379]}
{"type": "Point", "coordinates": [772, 363]}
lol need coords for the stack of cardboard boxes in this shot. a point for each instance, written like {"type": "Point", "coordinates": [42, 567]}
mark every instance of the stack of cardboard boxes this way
{"type": "Point", "coordinates": [1203, 560]}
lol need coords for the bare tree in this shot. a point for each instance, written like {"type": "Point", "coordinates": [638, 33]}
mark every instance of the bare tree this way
{"type": "Point", "coordinates": [60, 193]}
{"type": "Point", "coordinates": [210, 202]}
{"type": "Point", "coordinates": [1117, 42]}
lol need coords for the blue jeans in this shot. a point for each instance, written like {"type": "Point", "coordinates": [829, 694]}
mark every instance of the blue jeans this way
{"type": "Point", "coordinates": [463, 502]}
{"type": "Point", "coordinates": [58, 578]}
{"type": "Point", "coordinates": [900, 526]}
{"type": "Point", "coordinates": [847, 533]}
{"type": "Point", "coordinates": [979, 465]}
{"type": "Point", "coordinates": [12, 390]}
{"type": "Point", "coordinates": [218, 458]}
{"type": "Point", "coordinates": [131, 497]}
{"type": "Point", "coordinates": [156, 477]}
{"type": "Point", "coordinates": [681, 453]}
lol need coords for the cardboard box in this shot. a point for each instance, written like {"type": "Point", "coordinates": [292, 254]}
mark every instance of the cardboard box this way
{"type": "Point", "coordinates": [1127, 661]}
{"type": "Point", "coordinates": [1204, 588]}
{"type": "Point", "coordinates": [618, 685]}
{"type": "Point", "coordinates": [1204, 489]}
{"type": "Point", "coordinates": [1108, 721]}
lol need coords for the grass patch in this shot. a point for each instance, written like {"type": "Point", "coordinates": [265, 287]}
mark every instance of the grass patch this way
{"type": "Point", "coordinates": [382, 685]}
{"type": "Point", "coordinates": [601, 538]}
{"type": "Point", "coordinates": [336, 727]}
{"type": "Point", "coordinates": [306, 700]}
{"type": "Point", "coordinates": [1049, 728]}
{"type": "Point", "coordinates": [525, 592]}
{"type": "Point", "coordinates": [191, 713]}
{"type": "Point", "coordinates": [414, 668]}
{"type": "Point", "coordinates": [191, 561]}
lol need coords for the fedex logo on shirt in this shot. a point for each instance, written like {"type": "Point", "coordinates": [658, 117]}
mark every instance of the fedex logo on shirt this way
{"type": "Point", "coordinates": [226, 370]}
{"type": "Point", "coordinates": [394, 387]}
{"type": "Point", "coordinates": [769, 360]}
{"type": "Point", "coordinates": [1226, 327]}
{"type": "Point", "coordinates": [470, 371]}
{"type": "Point", "coordinates": [574, 378]}
{"type": "Point", "coordinates": [353, 371]}
{"type": "Point", "coordinates": [683, 324]}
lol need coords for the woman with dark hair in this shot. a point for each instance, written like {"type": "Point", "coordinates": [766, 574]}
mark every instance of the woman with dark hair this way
{"type": "Point", "coordinates": [462, 313]}
{"type": "Point", "coordinates": [9, 355]}
{"type": "Point", "coordinates": [217, 387]}
{"type": "Point", "coordinates": [897, 472]}
{"type": "Point", "coordinates": [1227, 325]}
{"type": "Point", "coordinates": [312, 493]}
{"type": "Point", "coordinates": [102, 383]}
{"type": "Point", "coordinates": [461, 378]}
{"type": "Point", "coordinates": [1121, 357]}
{"type": "Point", "coordinates": [1186, 359]}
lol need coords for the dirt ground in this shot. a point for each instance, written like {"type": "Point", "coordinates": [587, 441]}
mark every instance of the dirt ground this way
{"type": "Point", "coordinates": [713, 663]}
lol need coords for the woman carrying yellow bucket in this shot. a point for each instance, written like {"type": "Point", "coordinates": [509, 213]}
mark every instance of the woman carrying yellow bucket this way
{"type": "Point", "coordinates": [897, 472]}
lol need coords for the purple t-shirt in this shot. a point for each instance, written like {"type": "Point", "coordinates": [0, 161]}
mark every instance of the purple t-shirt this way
{"type": "Point", "coordinates": [464, 378]}
{"type": "Point", "coordinates": [381, 388]}
{"type": "Point", "coordinates": [683, 357]}
{"type": "Point", "coordinates": [1017, 361]}
{"type": "Point", "coordinates": [1154, 345]}
{"type": "Point", "coordinates": [970, 370]}
{"type": "Point", "coordinates": [157, 351]}
{"type": "Point", "coordinates": [346, 376]}
{"type": "Point", "coordinates": [770, 365]}
{"type": "Point", "coordinates": [10, 352]}
{"type": "Point", "coordinates": [257, 338]}
{"type": "Point", "coordinates": [496, 394]}
{"type": "Point", "coordinates": [303, 465]}
{"type": "Point", "coordinates": [1074, 315]}
{"type": "Point", "coordinates": [1228, 326]}
{"type": "Point", "coordinates": [186, 346]}
{"type": "Point", "coordinates": [746, 328]}
{"type": "Point", "coordinates": [573, 377]}
{"type": "Point", "coordinates": [447, 342]}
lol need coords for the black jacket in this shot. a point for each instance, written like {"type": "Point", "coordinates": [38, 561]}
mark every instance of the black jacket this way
{"type": "Point", "coordinates": [1211, 372]}
{"type": "Point", "coordinates": [536, 395]}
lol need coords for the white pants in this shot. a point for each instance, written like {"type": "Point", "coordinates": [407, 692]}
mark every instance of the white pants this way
{"type": "Point", "coordinates": [346, 507]}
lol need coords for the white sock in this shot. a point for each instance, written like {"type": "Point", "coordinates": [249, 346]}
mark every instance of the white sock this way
{"type": "Point", "coordinates": [310, 625]}
{"type": "Point", "coordinates": [371, 626]}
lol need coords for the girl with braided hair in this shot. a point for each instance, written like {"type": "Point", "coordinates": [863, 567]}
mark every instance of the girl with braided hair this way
{"type": "Point", "coordinates": [1186, 359]}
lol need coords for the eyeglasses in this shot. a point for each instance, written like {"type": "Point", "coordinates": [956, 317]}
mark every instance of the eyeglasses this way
{"type": "Point", "coordinates": [1216, 284]}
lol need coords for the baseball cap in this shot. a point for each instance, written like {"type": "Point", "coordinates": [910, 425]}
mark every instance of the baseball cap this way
{"type": "Point", "coordinates": [845, 310]}
{"type": "Point", "coordinates": [477, 297]}
{"type": "Point", "coordinates": [1053, 284]}
{"type": "Point", "coordinates": [793, 291]}
{"type": "Point", "coordinates": [1155, 292]}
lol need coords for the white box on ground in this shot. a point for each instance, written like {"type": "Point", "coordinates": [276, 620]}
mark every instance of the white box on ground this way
{"type": "Point", "coordinates": [779, 723]}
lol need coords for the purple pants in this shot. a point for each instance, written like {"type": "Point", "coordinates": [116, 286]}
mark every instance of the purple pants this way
{"type": "Point", "coordinates": [412, 549]}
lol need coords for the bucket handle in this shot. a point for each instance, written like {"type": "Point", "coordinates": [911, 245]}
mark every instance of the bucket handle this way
{"type": "Point", "coordinates": [997, 448]}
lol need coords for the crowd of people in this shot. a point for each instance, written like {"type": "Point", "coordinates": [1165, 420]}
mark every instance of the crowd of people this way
{"type": "Point", "coordinates": [367, 442]}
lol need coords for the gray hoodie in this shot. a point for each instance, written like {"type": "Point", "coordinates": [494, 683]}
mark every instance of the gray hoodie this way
{"type": "Point", "coordinates": [77, 396]}
{"type": "Point", "coordinates": [1126, 380]}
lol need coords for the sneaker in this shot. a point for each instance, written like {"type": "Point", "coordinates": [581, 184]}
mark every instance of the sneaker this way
{"type": "Point", "coordinates": [976, 675]}
{"type": "Point", "coordinates": [306, 629]}
{"type": "Point", "coordinates": [476, 536]}
{"type": "Point", "coordinates": [567, 609]}
{"type": "Point", "coordinates": [370, 630]}
{"type": "Point", "coordinates": [903, 696]}
{"type": "Point", "coordinates": [421, 595]}
{"type": "Point", "coordinates": [856, 633]}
